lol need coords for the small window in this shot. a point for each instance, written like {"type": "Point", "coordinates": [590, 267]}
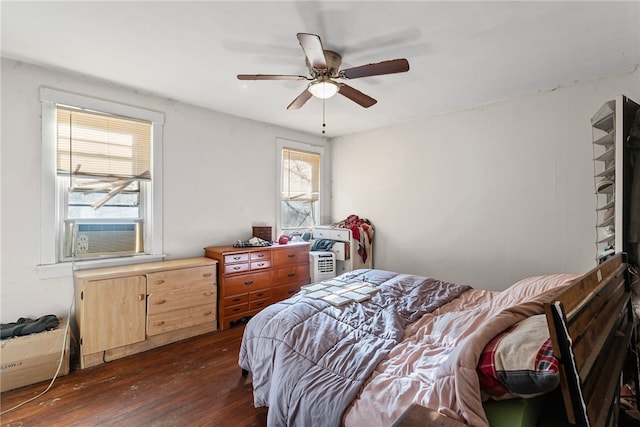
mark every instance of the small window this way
{"type": "Point", "coordinates": [299, 189]}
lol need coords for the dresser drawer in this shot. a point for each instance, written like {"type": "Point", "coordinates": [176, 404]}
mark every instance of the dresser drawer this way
{"type": "Point", "coordinates": [260, 256]}
{"type": "Point", "coordinates": [291, 255]}
{"type": "Point", "coordinates": [322, 233]}
{"type": "Point", "coordinates": [265, 293]}
{"type": "Point", "coordinates": [236, 268]}
{"type": "Point", "coordinates": [278, 293]}
{"type": "Point", "coordinates": [161, 302]}
{"type": "Point", "coordinates": [294, 274]}
{"type": "Point", "coordinates": [235, 309]}
{"type": "Point", "coordinates": [241, 257]}
{"type": "Point", "coordinates": [181, 278]}
{"type": "Point", "coordinates": [341, 234]}
{"type": "Point", "coordinates": [247, 282]}
{"type": "Point", "coordinates": [257, 265]}
{"type": "Point", "coordinates": [259, 305]}
{"type": "Point", "coordinates": [183, 318]}
{"type": "Point", "coordinates": [235, 300]}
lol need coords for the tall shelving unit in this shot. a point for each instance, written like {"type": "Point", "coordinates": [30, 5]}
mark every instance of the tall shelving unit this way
{"type": "Point", "coordinates": [612, 173]}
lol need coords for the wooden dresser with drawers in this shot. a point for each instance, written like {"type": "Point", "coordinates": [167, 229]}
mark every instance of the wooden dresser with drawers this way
{"type": "Point", "coordinates": [127, 309]}
{"type": "Point", "coordinates": [251, 278]}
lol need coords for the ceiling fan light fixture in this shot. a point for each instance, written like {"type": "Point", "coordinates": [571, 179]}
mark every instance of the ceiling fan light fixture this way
{"type": "Point", "coordinates": [323, 89]}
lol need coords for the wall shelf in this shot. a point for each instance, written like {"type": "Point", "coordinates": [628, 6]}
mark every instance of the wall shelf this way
{"type": "Point", "coordinates": [612, 174]}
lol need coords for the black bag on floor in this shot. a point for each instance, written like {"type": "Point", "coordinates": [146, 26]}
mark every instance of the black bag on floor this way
{"type": "Point", "coordinates": [26, 326]}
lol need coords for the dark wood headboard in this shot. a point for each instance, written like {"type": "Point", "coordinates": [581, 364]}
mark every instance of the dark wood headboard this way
{"type": "Point", "coordinates": [592, 329]}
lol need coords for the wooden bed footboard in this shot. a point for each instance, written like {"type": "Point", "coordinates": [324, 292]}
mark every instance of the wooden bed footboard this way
{"type": "Point", "coordinates": [593, 333]}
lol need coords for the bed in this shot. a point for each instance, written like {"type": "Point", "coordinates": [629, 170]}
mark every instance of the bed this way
{"type": "Point", "coordinates": [417, 341]}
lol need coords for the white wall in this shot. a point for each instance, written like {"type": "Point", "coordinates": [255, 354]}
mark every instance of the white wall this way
{"type": "Point", "coordinates": [483, 197]}
{"type": "Point", "coordinates": [219, 180]}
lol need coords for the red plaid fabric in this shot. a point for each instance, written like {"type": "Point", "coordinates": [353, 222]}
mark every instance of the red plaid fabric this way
{"type": "Point", "coordinates": [486, 369]}
{"type": "Point", "coordinates": [545, 360]}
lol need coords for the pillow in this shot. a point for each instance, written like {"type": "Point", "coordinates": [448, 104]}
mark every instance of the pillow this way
{"type": "Point", "coordinates": [519, 362]}
{"type": "Point", "coordinates": [535, 287]}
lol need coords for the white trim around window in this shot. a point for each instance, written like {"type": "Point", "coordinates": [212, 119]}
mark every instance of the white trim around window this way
{"type": "Point", "coordinates": [49, 266]}
{"type": "Point", "coordinates": [301, 146]}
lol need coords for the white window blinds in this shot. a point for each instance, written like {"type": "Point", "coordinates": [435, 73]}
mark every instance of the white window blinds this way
{"type": "Point", "coordinates": [99, 145]}
{"type": "Point", "coordinates": [300, 176]}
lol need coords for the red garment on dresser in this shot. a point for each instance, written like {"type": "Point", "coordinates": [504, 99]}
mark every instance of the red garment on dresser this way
{"type": "Point", "coordinates": [362, 231]}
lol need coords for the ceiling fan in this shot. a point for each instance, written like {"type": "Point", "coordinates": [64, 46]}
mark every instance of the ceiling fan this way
{"type": "Point", "coordinates": [324, 69]}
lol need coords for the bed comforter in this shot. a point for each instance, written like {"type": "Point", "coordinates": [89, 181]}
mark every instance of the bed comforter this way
{"type": "Point", "coordinates": [435, 364]}
{"type": "Point", "coordinates": [309, 359]}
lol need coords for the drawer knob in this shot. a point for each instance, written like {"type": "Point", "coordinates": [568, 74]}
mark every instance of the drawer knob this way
{"type": "Point", "coordinates": [259, 304]}
{"type": "Point", "coordinates": [141, 297]}
{"type": "Point", "coordinates": [161, 301]}
{"type": "Point", "coordinates": [160, 322]}
{"type": "Point", "coordinates": [290, 292]}
{"type": "Point", "coordinates": [259, 294]}
{"type": "Point", "coordinates": [235, 299]}
{"type": "Point", "coordinates": [261, 264]}
{"type": "Point", "coordinates": [236, 309]}
{"type": "Point", "coordinates": [248, 283]}
{"type": "Point", "coordinates": [206, 275]}
{"type": "Point", "coordinates": [237, 257]}
{"type": "Point", "coordinates": [260, 255]}
{"type": "Point", "coordinates": [206, 294]}
{"type": "Point", "coordinates": [291, 274]}
{"type": "Point", "coordinates": [159, 282]}
{"type": "Point", "coordinates": [208, 313]}
{"type": "Point", "coordinates": [237, 267]}
{"type": "Point", "coordinates": [291, 255]}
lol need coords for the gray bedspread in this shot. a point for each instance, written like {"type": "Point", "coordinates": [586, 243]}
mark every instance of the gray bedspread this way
{"type": "Point", "coordinates": [309, 359]}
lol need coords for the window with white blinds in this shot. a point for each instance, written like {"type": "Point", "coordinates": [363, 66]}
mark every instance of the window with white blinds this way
{"type": "Point", "coordinates": [99, 160]}
{"type": "Point", "coordinates": [100, 145]}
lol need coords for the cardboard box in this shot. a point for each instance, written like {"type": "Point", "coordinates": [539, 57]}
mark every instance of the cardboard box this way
{"type": "Point", "coordinates": [33, 358]}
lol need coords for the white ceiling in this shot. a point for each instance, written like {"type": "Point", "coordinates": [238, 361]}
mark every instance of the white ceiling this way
{"type": "Point", "coordinates": [461, 54]}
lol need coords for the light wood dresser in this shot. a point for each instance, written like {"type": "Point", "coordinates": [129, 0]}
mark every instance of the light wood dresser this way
{"type": "Point", "coordinates": [127, 309]}
{"type": "Point", "coordinates": [251, 278]}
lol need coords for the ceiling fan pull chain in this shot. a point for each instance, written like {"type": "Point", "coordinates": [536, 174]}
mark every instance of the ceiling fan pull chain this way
{"type": "Point", "coordinates": [324, 124]}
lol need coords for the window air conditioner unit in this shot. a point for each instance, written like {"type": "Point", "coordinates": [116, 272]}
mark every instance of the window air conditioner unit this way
{"type": "Point", "coordinates": [323, 265]}
{"type": "Point", "coordinates": [87, 240]}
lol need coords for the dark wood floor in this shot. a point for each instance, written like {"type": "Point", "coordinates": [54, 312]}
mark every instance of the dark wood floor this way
{"type": "Point", "coordinates": [196, 382]}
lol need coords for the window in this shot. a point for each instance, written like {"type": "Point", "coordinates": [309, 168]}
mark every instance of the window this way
{"type": "Point", "coordinates": [299, 187]}
{"type": "Point", "coordinates": [101, 193]}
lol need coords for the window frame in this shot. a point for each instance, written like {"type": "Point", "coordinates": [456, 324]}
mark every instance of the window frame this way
{"type": "Point", "coordinates": [281, 144]}
{"type": "Point", "coordinates": [52, 198]}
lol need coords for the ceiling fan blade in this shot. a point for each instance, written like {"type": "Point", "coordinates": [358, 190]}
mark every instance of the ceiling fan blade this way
{"type": "Point", "coordinates": [312, 46]}
{"type": "Point", "coordinates": [270, 77]}
{"type": "Point", "coordinates": [380, 68]}
{"type": "Point", "coordinates": [356, 96]}
{"type": "Point", "coordinates": [300, 100]}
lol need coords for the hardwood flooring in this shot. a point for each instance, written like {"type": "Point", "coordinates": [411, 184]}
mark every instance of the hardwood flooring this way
{"type": "Point", "coordinates": [195, 382]}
